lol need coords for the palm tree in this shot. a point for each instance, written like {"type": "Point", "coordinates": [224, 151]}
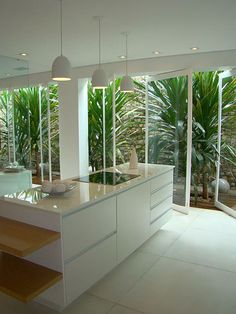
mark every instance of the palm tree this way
{"type": "Point", "coordinates": [167, 115]}
{"type": "Point", "coordinates": [25, 113]}
{"type": "Point", "coordinates": [124, 131]}
{"type": "Point", "coordinates": [205, 126]}
{"type": "Point", "coordinates": [168, 125]}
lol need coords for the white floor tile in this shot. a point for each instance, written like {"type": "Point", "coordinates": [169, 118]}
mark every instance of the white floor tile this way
{"type": "Point", "coordinates": [86, 304]}
{"type": "Point", "coordinates": [9, 305]}
{"type": "Point", "coordinates": [205, 248]}
{"type": "Point", "coordinates": [215, 221]}
{"type": "Point", "coordinates": [189, 266]}
{"type": "Point", "coordinates": [123, 277]}
{"type": "Point", "coordinates": [118, 309]}
{"type": "Point", "coordinates": [180, 222]}
{"type": "Point", "coordinates": [174, 287]}
{"type": "Point", "coordinates": [160, 242]}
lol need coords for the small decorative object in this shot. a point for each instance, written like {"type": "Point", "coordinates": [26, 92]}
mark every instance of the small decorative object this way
{"type": "Point", "coordinates": [57, 187]}
{"type": "Point", "coordinates": [14, 167]}
{"type": "Point", "coordinates": [224, 186]}
{"type": "Point", "coordinates": [133, 164]}
{"type": "Point", "coordinates": [46, 187]}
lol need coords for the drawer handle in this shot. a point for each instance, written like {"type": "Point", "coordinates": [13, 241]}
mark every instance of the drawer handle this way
{"type": "Point", "coordinates": [152, 222]}
{"type": "Point", "coordinates": [70, 259]}
{"type": "Point", "coordinates": [163, 186]}
{"type": "Point", "coordinates": [169, 196]}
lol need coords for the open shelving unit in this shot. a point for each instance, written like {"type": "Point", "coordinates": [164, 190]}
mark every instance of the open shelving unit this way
{"type": "Point", "coordinates": [21, 278]}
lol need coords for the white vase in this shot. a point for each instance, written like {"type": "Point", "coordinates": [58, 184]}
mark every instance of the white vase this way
{"type": "Point", "coordinates": [133, 164]}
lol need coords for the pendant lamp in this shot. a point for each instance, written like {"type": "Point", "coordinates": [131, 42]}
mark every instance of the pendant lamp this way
{"type": "Point", "coordinates": [126, 84]}
{"type": "Point", "coordinates": [61, 68]}
{"type": "Point", "coordinates": [99, 78]}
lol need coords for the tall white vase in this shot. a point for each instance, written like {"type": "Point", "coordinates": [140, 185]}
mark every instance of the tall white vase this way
{"type": "Point", "coordinates": [133, 164]}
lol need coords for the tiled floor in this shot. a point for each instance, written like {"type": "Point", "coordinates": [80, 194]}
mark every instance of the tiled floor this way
{"type": "Point", "coordinates": [188, 267]}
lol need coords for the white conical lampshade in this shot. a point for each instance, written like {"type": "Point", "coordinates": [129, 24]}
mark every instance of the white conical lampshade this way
{"type": "Point", "coordinates": [99, 79]}
{"type": "Point", "coordinates": [127, 84]}
{"type": "Point", "coordinates": [61, 69]}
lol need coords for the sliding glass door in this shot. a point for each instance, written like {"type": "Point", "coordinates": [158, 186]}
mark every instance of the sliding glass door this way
{"type": "Point", "coordinates": [225, 195]}
{"type": "Point", "coordinates": [169, 108]}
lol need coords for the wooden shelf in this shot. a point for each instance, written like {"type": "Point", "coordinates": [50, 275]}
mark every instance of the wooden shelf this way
{"type": "Point", "coordinates": [24, 280]}
{"type": "Point", "coordinates": [21, 239]}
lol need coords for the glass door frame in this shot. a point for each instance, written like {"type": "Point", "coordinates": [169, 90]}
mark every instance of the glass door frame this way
{"type": "Point", "coordinates": [169, 75]}
{"type": "Point", "coordinates": [47, 87]}
{"type": "Point", "coordinates": [218, 204]}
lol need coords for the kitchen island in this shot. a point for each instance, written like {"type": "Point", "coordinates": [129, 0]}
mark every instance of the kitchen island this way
{"type": "Point", "coordinates": [99, 226]}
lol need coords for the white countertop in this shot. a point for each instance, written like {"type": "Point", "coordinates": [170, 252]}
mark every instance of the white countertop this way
{"type": "Point", "coordinates": [85, 194]}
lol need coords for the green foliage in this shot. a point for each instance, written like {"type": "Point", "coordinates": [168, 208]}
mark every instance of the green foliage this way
{"type": "Point", "coordinates": [21, 110]}
{"type": "Point", "coordinates": [205, 126]}
{"type": "Point", "coordinates": [95, 123]}
{"type": "Point", "coordinates": [167, 112]}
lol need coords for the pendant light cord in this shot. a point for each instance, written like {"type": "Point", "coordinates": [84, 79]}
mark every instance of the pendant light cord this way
{"type": "Point", "coordinates": [99, 44]}
{"type": "Point", "coordinates": [61, 23]}
{"type": "Point", "coordinates": [126, 60]}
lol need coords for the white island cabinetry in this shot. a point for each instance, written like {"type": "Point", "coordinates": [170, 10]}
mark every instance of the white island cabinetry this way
{"type": "Point", "coordinates": [100, 225]}
{"type": "Point", "coordinates": [89, 241]}
{"type": "Point", "coordinates": [133, 208]}
{"type": "Point", "coordinates": [161, 200]}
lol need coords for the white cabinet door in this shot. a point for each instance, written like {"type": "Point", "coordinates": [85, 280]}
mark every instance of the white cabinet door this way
{"type": "Point", "coordinates": [84, 271]}
{"type": "Point", "coordinates": [133, 215]}
{"type": "Point", "coordinates": [85, 228]}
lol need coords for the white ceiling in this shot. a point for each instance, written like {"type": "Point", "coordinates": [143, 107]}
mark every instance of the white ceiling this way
{"type": "Point", "coordinates": [170, 26]}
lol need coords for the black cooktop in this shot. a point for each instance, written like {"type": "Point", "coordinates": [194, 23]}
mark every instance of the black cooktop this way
{"type": "Point", "coordinates": [105, 177]}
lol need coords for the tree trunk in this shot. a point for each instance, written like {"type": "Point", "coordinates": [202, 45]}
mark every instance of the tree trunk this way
{"type": "Point", "coordinates": [37, 164]}
{"type": "Point", "coordinates": [205, 192]}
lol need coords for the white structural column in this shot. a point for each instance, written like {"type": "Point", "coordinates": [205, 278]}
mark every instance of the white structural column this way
{"type": "Point", "coordinates": [41, 133]}
{"type": "Point", "coordinates": [104, 128]}
{"type": "Point", "coordinates": [8, 130]}
{"type": "Point", "coordinates": [219, 136]}
{"type": "Point", "coordinates": [146, 121]}
{"type": "Point", "coordinates": [13, 126]}
{"type": "Point", "coordinates": [189, 139]}
{"type": "Point", "coordinates": [49, 134]}
{"type": "Point", "coordinates": [73, 126]}
{"type": "Point", "coordinates": [114, 120]}
{"type": "Point", "coordinates": [83, 126]}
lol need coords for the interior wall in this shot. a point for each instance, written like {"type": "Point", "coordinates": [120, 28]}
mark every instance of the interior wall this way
{"type": "Point", "coordinates": [69, 129]}
{"type": "Point", "coordinates": [83, 126]}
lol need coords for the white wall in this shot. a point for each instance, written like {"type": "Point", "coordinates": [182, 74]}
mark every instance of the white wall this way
{"type": "Point", "coordinates": [83, 126]}
{"type": "Point", "coordinates": [69, 129]}
{"type": "Point", "coordinates": [73, 127]}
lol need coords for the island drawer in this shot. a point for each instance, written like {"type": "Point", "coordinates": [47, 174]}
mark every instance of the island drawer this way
{"type": "Point", "coordinates": [162, 194]}
{"type": "Point", "coordinates": [159, 222]}
{"type": "Point", "coordinates": [87, 227]}
{"type": "Point", "coordinates": [158, 182]}
{"type": "Point", "coordinates": [161, 208]}
{"type": "Point", "coordinates": [84, 271]}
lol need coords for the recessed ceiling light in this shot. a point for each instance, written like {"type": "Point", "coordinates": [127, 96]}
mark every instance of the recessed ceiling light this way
{"type": "Point", "coordinates": [23, 54]}
{"type": "Point", "coordinates": [122, 57]}
{"type": "Point", "coordinates": [156, 52]}
{"type": "Point", "coordinates": [194, 48]}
